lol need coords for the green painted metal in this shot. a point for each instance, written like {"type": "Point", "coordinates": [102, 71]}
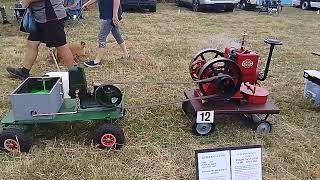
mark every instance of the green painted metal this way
{"type": "Point", "coordinates": [77, 81]}
{"type": "Point", "coordinates": [69, 106]}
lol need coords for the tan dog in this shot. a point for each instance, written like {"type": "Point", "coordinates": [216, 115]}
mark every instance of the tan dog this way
{"type": "Point", "coordinates": [77, 49]}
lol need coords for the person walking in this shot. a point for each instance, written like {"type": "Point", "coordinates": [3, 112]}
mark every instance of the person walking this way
{"type": "Point", "coordinates": [110, 15]}
{"type": "Point", "coordinates": [49, 16]}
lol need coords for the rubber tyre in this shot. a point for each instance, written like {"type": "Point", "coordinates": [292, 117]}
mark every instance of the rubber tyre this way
{"type": "Point", "coordinates": [264, 127]}
{"type": "Point", "coordinates": [196, 126]}
{"type": "Point", "coordinates": [153, 9]}
{"type": "Point", "coordinates": [109, 129]}
{"type": "Point", "coordinates": [305, 5]}
{"type": "Point", "coordinates": [16, 135]}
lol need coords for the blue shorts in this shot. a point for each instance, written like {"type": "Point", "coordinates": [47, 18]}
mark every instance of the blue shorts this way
{"type": "Point", "coordinates": [106, 27]}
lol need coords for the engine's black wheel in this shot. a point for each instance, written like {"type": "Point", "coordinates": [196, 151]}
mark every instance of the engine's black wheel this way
{"type": "Point", "coordinates": [202, 129]}
{"type": "Point", "coordinates": [229, 78]}
{"type": "Point", "coordinates": [109, 136]}
{"type": "Point", "coordinates": [14, 141]}
{"type": "Point", "coordinates": [200, 59]}
{"type": "Point", "coordinates": [108, 95]}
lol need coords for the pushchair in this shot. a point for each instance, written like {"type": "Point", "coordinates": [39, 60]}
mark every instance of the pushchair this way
{"type": "Point", "coordinates": [76, 12]}
{"type": "Point", "coordinates": [271, 6]}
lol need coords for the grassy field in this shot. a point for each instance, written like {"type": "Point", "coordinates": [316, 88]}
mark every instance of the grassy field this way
{"type": "Point", "coordinates": [159, 142]}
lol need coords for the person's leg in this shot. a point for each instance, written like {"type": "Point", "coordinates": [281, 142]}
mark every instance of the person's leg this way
{"type": "Point", "coordinates": [102, 38]}
{"type": "Point", "coordinates": [31, 54]}
{"type": "Point", "coordinates": [30, 58]}
{"type": "Point", "coordinates": [55, 37]}
{"type": "Point", "coordinates": [117, 35]}
{"type": "Point", "coordinates": [65, 54]}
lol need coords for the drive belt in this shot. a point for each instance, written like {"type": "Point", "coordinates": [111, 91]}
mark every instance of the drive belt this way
{"type": "Point", "coordinates": [163, 83]}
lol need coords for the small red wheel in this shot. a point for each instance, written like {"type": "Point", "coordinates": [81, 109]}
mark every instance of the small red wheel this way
{"type": "Point", "coordinates": [11, 145]}
{"type": "Point", "coordinates": [109, 136]}
{"type": "Point", "coordinates": [108, 140]}
{"type": "Point", "coordinates": [14, 141]}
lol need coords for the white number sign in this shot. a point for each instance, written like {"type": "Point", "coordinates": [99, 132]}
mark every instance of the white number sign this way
{"type": "Point", "coordinates": [205, 116]}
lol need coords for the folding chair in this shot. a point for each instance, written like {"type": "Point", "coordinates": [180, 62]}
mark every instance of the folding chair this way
{"type": "Point", "coordinates": [77, 14]}
{"type": "Point", "coordinates": [271, 6]}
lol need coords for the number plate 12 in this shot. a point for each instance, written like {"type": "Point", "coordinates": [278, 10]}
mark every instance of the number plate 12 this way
{"type": "Point", "coordinates": [205, 116]}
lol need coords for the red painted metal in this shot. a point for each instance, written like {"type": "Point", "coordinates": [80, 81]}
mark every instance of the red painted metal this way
{"type": "Point", "coordinates": [231, 107]}
{"type": "Point", "coordinates": [108, 140]}
{"type": "Point", "coordinates": [254, 94]}
{"type": "Point", "coordinates": [196, 66]}
{"type": "Point", "coordinates": [248, 63]}
{"type": "Point", "coordinates": [11, 145]}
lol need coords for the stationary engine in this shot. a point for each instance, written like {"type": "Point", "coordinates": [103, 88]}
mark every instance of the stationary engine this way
{"type": "Point", "coordinates": [233, 74]}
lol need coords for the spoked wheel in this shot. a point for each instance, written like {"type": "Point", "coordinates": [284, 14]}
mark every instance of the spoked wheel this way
{"type": "Point", "coordinates": [228, 79]}
{"type": "Point", "coordinates": [200, 59]}
{"type": "Point", "coordinates": [108, 96]}
{"type": "Point", "coordinates": [14, 141]}
{"type": "Point", "coordinates": [202, 129]}
{"type": "Point", "coordinates": [196, 5]}
{"type": "Point", "coordinates": [109, 136]}
{"type": "Point", "coordinates": [263, 127]}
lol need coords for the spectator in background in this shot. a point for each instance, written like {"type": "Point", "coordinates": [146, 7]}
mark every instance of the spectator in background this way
{"type": "Point", "coordinates": [73, 7]}
{"type": "Point", "coordinates": [3, 14]}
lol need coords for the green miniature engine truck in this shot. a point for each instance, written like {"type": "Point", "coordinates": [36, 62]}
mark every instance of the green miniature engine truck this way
{"type": "Point", "coordinates": [40, 100]}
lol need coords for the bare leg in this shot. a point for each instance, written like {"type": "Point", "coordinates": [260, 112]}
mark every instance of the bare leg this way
{"type": "Point", "coordinates": [124, 49]}
{"type": "Point", "coordinates": [30, 58]}
{"type": "Point", "coordinates": [65, 55]}
{"type": "Point", "coordinates": [117, 35]}
{"type": "Point", "coordinates": [100, 54]}
{"type": "Point", "coordinates": [31, 54]}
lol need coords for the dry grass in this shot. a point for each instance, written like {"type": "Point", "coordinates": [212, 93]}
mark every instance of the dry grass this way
{"type": "Point", "coordinates": [159, 142]}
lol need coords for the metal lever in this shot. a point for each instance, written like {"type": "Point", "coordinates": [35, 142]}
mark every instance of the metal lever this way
{"type": "Point", "coordinates": [273, 43]}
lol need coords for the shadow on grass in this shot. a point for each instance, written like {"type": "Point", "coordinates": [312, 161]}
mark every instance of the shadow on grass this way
{"type": "Point", "coordinates": [75, 132]}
